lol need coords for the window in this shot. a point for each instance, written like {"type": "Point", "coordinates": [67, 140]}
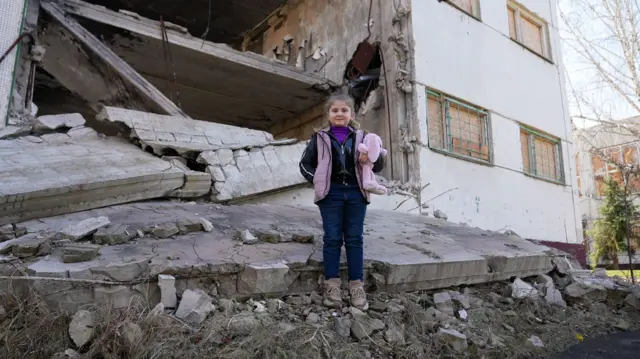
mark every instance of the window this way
{"type": "Point", "coordinates": [608, 168]}
{"type": "Point", "coordinates": [527, 29]}
{"type": "Point", "coordinates": [541, 155]}
{"type": "Point", "coordinates": [457, 127]}
{"type": "Point", "coordinates": [471, 7]}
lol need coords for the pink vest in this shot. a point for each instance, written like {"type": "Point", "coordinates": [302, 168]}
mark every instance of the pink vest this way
{"type": "Point", "coordinates": [322, 177]}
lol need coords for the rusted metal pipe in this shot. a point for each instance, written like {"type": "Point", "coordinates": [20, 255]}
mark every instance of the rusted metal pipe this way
{"type": "Point", "coordinates": [15, 43]}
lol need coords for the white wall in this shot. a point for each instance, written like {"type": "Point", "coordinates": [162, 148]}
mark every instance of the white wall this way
{"type": "Point", "coordinates": [478, 62]}
{"type": "Point", "coordinates": [11, 13]}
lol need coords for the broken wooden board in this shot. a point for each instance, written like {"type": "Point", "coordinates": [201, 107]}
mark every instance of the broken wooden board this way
{"type": "Point", "coordinates": [10, 28]}
{"type": "Point", "coordinates": [212, 81]}
{"type": "Point", "coordinates": [58, 174]}
{"type": "Point", "coordinates": [87, 67]}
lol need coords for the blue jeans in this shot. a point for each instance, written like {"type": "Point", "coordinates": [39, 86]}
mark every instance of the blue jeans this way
{"type": "Point", "coordinates": [343, 212]}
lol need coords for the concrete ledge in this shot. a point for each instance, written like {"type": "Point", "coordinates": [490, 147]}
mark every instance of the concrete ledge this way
{"type": "Point", "coordinates": [215, 262]}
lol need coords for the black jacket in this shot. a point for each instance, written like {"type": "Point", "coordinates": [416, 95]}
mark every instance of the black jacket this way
{"type": "Point", "coordinates": [342, 160]}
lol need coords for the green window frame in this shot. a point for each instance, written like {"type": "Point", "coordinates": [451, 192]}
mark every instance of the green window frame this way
{"type": "Point", "coordinates": [542, 155]}
{"type": "Point", "coordinates": [458, 128]}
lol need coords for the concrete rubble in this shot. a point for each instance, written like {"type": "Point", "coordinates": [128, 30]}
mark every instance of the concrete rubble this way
{"type": "Point", "coordinates": [174, 243]}
{"type": "Point", "coordinates": [238, 162]}
{"type": "Point", "coordinates": [497, 325]}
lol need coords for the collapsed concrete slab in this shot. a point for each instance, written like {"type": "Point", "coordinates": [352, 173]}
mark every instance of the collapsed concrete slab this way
{"type": "Point", "coordinates": [402, 252]}
{"type": "Point", "coordinates": [211, 82]}
{"type": "Point", "coordinates": [239, 162]}
{"type": "Point", "coordinates": [66, 172]}
{"type": "Point", "coordinates": [163, 135]}
{"type": "Point", "coordinates": [89, 69]}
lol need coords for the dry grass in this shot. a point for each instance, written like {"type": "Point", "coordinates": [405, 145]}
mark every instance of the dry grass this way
{"type": "Point", "coordinates": [31, 330]}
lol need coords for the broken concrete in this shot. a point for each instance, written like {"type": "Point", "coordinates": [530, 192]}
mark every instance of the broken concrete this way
{"type": "Point", "coordinates": [194, 307]}
{"type": "Point", "coordinates": [89, 69]}
{"type": "Point", "coordinates": [83, 229]}
{"type": "Point", "coordinates": [162, 134]}
{"type": "Point", "coordinates": [216, 83]}
{"type": "Point", "coordinates": [46, 176]}
{"type": "Point", "coordinates": [78, 252]}
{"type": "Point", "coordinates": [56, 122]}
{"type": "Point", "coordinates": [239, 162]}
{"type": "Point", "coordinates": [81, 328]}
{"type": "Point", "coordinates": [396, 255]}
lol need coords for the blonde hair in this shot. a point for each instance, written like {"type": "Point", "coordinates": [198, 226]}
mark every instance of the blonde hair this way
{"type": "Point", "coordinates": [342, 98]}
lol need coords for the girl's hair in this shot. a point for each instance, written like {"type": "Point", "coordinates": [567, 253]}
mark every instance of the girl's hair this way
{"type": "Point", "coordinates": [342, 98]}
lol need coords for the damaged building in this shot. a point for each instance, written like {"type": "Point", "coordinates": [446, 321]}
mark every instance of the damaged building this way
{"type": "Point", "coordinates": [105, 102]}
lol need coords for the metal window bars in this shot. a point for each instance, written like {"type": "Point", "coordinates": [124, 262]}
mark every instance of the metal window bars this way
{"type": "Point", "coordinates": [457, 127]}
{"type": "Point", "coordinates": [542, 155]}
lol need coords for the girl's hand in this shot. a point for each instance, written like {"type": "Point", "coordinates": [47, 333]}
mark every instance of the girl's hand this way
{"type": "Point", "coordinates": [363, 158]}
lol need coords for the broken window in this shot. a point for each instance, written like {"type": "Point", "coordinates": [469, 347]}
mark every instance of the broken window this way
{"type": "Point", "coordinates": [541, 155]}
{"type": "Point", "coordinates": [458, 127]}
{"type": "Point", "coordinates": [527, 29]}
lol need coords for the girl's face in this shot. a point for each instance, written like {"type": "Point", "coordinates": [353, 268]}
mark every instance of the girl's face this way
{"type": "Point", "coordinates": [340, 114]}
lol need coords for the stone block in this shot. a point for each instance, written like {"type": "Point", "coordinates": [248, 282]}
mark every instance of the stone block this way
{"type": "Point", "coordinates": [165, 230]}
{"type": "Point", "coordinates": [81, 328]}
{"type": "Point", "coordinates": [167, 284]}
{"type": "Point", "coordinates": [54, 122]}
{"type": "Point", "coordinates": [115, 234]}
{"type": "Point", "coordinates": [28, 245]}
{"type": "Point", "coordinates": [188, 225]}
{"type": "Point", "coordinates": [76, 252]}
{"type": "Point", "coordinates": [453, 338]}
{"type": "Point", "coordinates": [6, 232]}
{"type": "Point", "coordinates": [194, 307]}
{"type": "Point", "coordinates": [84, 228]}
{"type": "Point", "coordinates": [263, 279]}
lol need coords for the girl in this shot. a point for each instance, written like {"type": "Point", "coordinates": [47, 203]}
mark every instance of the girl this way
{"type": "Point", "coordinates": [332, 164]}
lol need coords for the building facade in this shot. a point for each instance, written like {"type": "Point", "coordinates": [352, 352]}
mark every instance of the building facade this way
{"type": "Point", "coordinates": [491, 126]}
{"type": "Point", "coordinates": [468, 95]}
{"type": "Point", "coordinates": [493, 109]}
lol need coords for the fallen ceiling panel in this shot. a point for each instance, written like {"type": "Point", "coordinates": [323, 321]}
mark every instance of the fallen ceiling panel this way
{"type": "Point", "coordinates": [167, 135]}
{"type": "Point", "coordinates": [209, 81]}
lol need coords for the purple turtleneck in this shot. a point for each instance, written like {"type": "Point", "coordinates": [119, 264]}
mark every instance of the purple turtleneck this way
{"type": "Point", "coordinates": [340, 133]}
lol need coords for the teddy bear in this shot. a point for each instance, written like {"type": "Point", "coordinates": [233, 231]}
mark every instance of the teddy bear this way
{"type": "Point", "coordinates": [372, 146]}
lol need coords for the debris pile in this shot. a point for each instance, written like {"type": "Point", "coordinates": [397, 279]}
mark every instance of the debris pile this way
{"type": "Point", "coordinates": [520, 319]}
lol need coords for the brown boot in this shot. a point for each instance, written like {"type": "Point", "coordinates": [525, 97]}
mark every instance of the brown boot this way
{"type": "Point", "coordinates": [332, 293]}
{"type": "Point", "coordinates": [358, 296]}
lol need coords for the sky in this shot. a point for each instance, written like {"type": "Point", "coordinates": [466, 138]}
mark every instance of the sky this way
{"type": "Point", "coordinates": [582, 77]}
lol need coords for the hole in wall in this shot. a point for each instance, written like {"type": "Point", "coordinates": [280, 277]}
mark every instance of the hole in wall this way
{"type": "Point", "coordinates": [363, 72]}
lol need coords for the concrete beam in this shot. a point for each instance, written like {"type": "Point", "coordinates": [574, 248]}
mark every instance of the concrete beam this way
{"type": "Point", "coordinates": [87, 67]}
{"type": "Point", "coordinates": [214, 82]}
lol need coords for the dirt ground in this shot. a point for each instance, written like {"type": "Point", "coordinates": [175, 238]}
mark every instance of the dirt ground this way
{"type": "Point", "coordinates": [476, 322]}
